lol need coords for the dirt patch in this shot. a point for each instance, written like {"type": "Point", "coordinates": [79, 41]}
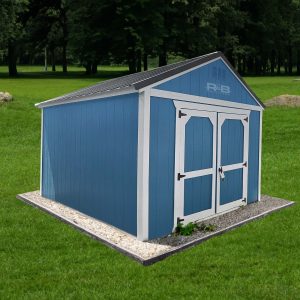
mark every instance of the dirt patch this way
{"type": "Point", "coordinates": [284, 100]}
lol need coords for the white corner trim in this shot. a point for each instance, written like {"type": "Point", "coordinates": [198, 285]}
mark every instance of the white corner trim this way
{"type": "Point", "coordinates": [41, 155]}
{"type": "Point", "coordinates": [260, 155]}
{"type": "Point", "coordinates": [112, 93]}
{"type": "Point", "coordinates": [201, 100]}
{"type": "Point", "coordinates": [143, 166]}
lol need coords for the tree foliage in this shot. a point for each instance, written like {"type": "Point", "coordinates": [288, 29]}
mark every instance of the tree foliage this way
{"type": "Point", "coordinates": [257, 36]}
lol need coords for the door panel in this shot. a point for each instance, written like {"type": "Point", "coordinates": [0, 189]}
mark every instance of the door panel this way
{"type": "Point", "coordinates": [198, 144]}
{"type": "Point", "coordinates": [197, 194]}
{"type": "Point", "coordinates": [232, 151]}
{"type": "Point", "coordinates": [231, 188]}
{"type": "Point", "coordinates": [195, 164]}
{"type": "Point", "coordinates": [232, 161]}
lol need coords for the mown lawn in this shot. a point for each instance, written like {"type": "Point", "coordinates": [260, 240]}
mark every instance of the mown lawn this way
{"type": "Point", "coordinates": [40, 257]}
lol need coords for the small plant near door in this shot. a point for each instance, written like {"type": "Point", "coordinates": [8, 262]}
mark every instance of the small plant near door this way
{"type": "Point", "coordinates": [187, 229]}
{"type": "Point", "coordinates": [206, 227]}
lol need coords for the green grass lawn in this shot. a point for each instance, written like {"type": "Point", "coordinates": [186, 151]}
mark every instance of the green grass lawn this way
{"type": "Point", "coordinates": [41, 257]}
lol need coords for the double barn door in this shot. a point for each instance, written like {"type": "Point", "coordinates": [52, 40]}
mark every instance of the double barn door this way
{"type": "Point", "coordinates": [211, 166]}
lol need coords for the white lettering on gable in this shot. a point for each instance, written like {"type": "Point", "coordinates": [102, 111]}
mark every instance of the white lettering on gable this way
{"type": "Point", "coordinates": [213, 87]}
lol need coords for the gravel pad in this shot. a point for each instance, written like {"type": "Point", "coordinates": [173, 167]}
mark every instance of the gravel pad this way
{"type": "Point", "coordinates": [153, 250]}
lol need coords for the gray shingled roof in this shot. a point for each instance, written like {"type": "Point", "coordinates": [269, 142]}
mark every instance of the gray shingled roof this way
{"type": "Point", "coordinates": [135, 81]}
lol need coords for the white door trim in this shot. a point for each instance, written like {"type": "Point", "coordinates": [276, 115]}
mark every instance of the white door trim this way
{"type": "Point", "coordinates": [198, 106]}
{"type": "Point", "coordinates": [202, 100]}
{"type": "Point", "coordinates": [179, 165]}
{"type": "Point", "coordinates": [244, 118]}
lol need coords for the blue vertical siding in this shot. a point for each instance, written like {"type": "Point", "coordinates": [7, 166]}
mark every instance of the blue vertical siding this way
{"type": "Point", "coordinates": [198, 144]}
{"type": "Point", "coordinates": [232, 147]}
{"type": "Point", "coordinates": [161, 176]}
{"type": "Point", "coordinates": [253, 159]}
{"type": "Point", "coordinates": [216, 73]}
{"type": "Point", "coordinates": [90, 158]}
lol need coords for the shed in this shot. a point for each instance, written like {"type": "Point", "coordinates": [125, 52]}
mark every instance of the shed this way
{"type": "Point", "coordinates": [143, 151]}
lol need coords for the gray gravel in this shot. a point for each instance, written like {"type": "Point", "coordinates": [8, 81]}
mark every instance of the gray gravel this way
{"type": "Point", "coordinates": [153, 249]}
{"type": "Point", "coordinates": [226, 220]}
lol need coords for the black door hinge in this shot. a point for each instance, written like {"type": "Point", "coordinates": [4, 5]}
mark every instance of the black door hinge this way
{"type": "Point", "coordinates": [179, 220]}
{"type": "Point", "coordinates": [181, 114]}
{"type": "Point", "coordinates": [244, 200]}
{"type": "Point", "coordinates": [246, 119]}
{"type": "Point", "coordinates": [245, 164]}
{"type": "Point", "coordinates": [179, 176]}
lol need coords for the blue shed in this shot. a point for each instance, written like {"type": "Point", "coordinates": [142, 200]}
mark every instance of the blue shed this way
{"type": "Point", "coordinates": [142, 151]}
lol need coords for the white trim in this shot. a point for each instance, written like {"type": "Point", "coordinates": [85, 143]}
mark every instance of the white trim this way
{"type": "Point", "coordinates": [143, 166]}
{"type": "Point", "coordinates": [113, 93]}
{"type": "Point", "coordinates": [221, 118]}
{"type": "Point", "coordinates": [260, 155]}
{"type": "Point", "coordinates": [179, 165]}
{"type": "Point", "coordinates": [41, 155]}
{"type": "Point", "coordinates": [180, 74]}
{"type": "Point", "coordinates": [205, 107]}
{"type": "Point", "coordinates": [198, 173]}
{"type": "Point", "coordinates": [202, 100]}
{"type": "Point", "coordinates": [232, 167]}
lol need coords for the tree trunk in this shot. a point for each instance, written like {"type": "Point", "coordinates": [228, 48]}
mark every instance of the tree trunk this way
{"type": "Point", "coordinates": [257, 66]}
{"type": "Point", "coordinates": [139, 60]}
{"type": "Point", "coordinates": [278, 64]}
{"type": "Point", "coordinates": [12, 60]}
{"type": "Point", "coordinates": [53, 60]}
{"type": "Point", "coordinates": [145, 61]}
{"type": "Point", "coordinates": [46, 60]}
{"type": "Point", "coordinates": [63, 16]}
{"type": "Point", "coordinates": [285, 67]}
{"type": "Point", "coordinates": [64, 57]}
{"type": "Point", "coordinates": [94, 67]}
{"type": "Point", "coordinates": [162, 59]}
{"type": "Point", "coordinates": [244, 65]}
{"type": "Point", "coordinates": [298, 62]}
{"type": "Point", "coordinates": [240, 69]}
{"type": "Point", "coordinates": [290, 59]}
{"type": "Point", "coordinates": [88, 68]}
{"type": "Point", "coordinates": [131, 61]}
{"type": "Point", "coordinates": [272, 62]}
{"type": "Point", "coordinates": [250, 65]}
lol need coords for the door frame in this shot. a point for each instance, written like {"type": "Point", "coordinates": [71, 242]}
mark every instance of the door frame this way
{"type": "Point", "coordinates": [244, 118]}
{"type": "Point", "coordinates": [178, 200]}
{"type": "Point", "coordinates": [179, 164]}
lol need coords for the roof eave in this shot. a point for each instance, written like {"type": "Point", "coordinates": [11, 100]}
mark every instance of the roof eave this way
{"type": "Point", "coordinates": [108, 93]}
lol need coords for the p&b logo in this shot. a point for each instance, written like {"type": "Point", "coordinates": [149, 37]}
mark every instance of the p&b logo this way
{"type": "Point", "coordinates": [223, 89]}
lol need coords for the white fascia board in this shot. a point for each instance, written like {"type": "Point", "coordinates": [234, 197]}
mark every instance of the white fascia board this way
{"type": "Point", "coordinates": [202, 100]}
{"type": "Point", "coordinates": [143, 166]}
{"type": "Point", "coordinates": [106, 94]}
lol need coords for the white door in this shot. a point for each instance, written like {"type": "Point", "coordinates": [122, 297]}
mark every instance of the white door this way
{"type": "Point", "coordinates": [195, 165]}
{"type": "Point", "coordinates": [232, 162]}
{"type": "Point", "coordinates": [211, 162]}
